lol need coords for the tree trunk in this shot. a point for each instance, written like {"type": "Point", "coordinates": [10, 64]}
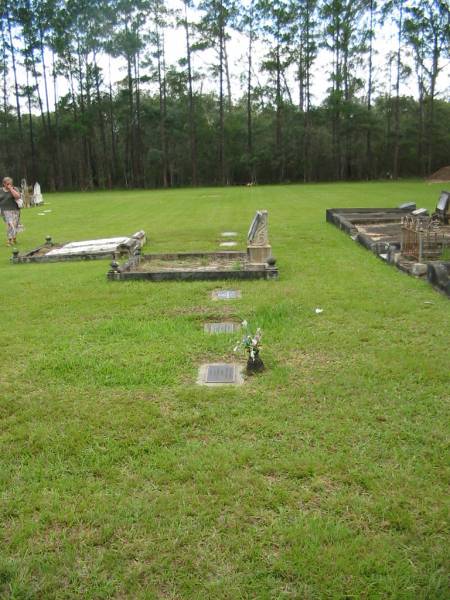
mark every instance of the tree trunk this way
{"type": "Point", "coordinates": [395, 166]}
{"type": "Point", "coordinates": [192, 126]}
{"type": "Point", "coordinates": [221, 97]}
{"type": "Point", "coordinates": [16, 89]}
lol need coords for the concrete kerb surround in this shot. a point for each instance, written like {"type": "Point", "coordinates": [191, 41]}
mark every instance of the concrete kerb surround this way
{"type": "Point", "coordinates": [134, 268]}
{"type": "Point", "coordinates": [348, 219]}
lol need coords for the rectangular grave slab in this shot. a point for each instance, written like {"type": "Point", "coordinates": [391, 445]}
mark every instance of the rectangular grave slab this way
{"type": "Point", "coordinates": [83, 250]}
{"type": "Point", "coordinates": [228, 244]}
{"type": "Point", "coordinates": [225, 327]}
{"type": "Point", "coordinates": [227, 294]}
{"type": "Point", "coordinates": [221, 373]}
{"type": "Point", "coordinates": [217, 374]}
{"type": "Point", "coordinates": [229, 233]}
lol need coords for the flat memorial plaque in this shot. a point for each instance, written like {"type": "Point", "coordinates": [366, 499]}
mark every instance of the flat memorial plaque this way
{"type": "Point", "coordinates": [227, 294]}
{"type": "Point", "coordinates": [229, 233]}
{"type": "Point", "coordinates": [228, 244]}
{"type": "Point", "coordinates": [225, 327]}
{"type": "Point", "coordinates": [221, 373]}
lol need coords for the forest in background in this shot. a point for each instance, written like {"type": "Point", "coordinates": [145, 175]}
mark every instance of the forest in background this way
{"type": "Point", "coordinates": [178, 124]}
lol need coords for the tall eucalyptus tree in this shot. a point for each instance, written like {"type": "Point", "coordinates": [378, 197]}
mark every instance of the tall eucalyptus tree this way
{"type": "Point", "coordinates": [345, 39]}
{"type": "Point", "coordinates": [278, 27]}
{"type": "Point", "coordinates": [306, 48]}
{"type": "Point", "coordinates": [427, 30]}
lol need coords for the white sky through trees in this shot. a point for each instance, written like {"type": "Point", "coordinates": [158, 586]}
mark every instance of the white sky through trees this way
{"type": "Point", "coordinates": [385, 44]}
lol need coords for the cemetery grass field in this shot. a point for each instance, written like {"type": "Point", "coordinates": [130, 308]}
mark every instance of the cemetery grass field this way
{"type": "Point", "coordinates": [324, 477]}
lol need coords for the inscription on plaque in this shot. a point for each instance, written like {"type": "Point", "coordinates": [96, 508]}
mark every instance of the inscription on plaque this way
{"type": "Point", "coordinates": [221, 374]}
{"type": "Point", "coordinates": [227, 327]}
{"type": "Point", "coordinates": [227, 294]}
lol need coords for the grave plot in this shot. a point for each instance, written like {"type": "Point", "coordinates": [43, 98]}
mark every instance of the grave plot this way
{"type": "Point", "coordinates": [256, 263]}
{"type": "Point", "coordinates": [404, 236]}
{"type": "Point", "coordinates": [190, 267]}
{"type": "Point", "coordinates": [83, 250]}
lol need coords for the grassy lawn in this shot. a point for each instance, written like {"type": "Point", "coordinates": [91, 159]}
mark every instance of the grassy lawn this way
{"type": "Point", "coordinates": [324, 477]}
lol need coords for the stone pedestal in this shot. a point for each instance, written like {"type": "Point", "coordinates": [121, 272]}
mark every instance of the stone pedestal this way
{"type": "Point", "coordinates": [259, 254]}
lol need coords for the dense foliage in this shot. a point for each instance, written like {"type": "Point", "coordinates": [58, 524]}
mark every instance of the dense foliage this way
{"type": "Point", "coordinates": [178, 124]}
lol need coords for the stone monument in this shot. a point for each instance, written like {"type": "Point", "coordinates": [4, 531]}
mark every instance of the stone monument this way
{"type": "Point", "coordinates": [37, 198]}
{"type": "Point", "coordinates": [25, 193]}
{"type": "Point", "coordinates": [258, 247]}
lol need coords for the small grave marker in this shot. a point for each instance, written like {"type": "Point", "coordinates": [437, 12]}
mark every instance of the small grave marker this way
{"type": "Point", "coordinates": [225, 327]}
{"type": "Point", "coordinates": [229, 233]}
{"type": "Point", "coordinates": [221, 373]}
{"type": "Point", "coordinates": [228, 244]}
{"type": "Point", "coordinates": [226, 294]}
{"type": "Point", "coordinates": [217, 374]}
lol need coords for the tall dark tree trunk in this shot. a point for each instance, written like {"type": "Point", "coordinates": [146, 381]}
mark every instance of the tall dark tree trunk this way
{"type": "Point", "coordinates": [221, 95]}
{"type": "Point", "coordinates": [4, 70]}
{"type": "Point", "coordinates": [106, 166]}
{"type": "Point", "coordinates": [162, 105]}
{"type": "Point", "coordinates": [369, 151]}
{"type": "Point", "coordinates": [191, 108]}
{"type": "Point", "coordinates": [33, 173]}
{"type": "Point", "coordinates": [279, 120]}
{"type": "Point", "coordinates": [395, 164]}
{"type": "Point", "coordinates": [16, 90]}
{"type": "Point", "coordinates": [57, 134]}
{"type": "Point", "coordinates": [252, 174]}
{"type": "Point", "coordinates": [114, 154]}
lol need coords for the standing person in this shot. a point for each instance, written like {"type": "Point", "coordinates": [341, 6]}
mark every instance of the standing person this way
{"type": "Point", "coordinates": [10, 210]}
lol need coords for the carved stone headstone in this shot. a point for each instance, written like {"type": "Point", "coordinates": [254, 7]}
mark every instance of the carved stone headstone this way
{"type": "Point", "coordinates": [258, 247]}
{"type": "Point", "coordinates": [443, 208]}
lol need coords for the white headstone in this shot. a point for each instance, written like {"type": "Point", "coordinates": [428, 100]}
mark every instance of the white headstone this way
{"type": "Point", "coordinates": [37, 198]}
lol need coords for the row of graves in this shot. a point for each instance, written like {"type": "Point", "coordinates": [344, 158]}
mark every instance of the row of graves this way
{"type": "Point", "coordinates": [406, 236]}
{"type": "Point", "coordinates": [256, 263]}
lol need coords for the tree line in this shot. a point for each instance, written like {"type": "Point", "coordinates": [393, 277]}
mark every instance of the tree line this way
{"type": "Point", "coordinates": [167, 124]}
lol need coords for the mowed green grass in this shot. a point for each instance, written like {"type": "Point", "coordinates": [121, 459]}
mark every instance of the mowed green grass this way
{"type": "Point", "coordinates": [324, 477]}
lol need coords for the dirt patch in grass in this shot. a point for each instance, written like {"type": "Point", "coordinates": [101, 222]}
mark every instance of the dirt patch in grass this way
{"type": "Point", "coordinates": [440, 176]}
{"type": "Point", "coordinates": [308, 361]}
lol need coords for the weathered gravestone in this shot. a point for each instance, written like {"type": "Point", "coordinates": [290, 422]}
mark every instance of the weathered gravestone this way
{"type": "Point", "coordinates": [258, 247]}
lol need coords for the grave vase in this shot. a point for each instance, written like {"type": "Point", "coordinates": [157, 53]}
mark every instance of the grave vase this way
{"type": "Point", "coordinates": [255, 364]}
